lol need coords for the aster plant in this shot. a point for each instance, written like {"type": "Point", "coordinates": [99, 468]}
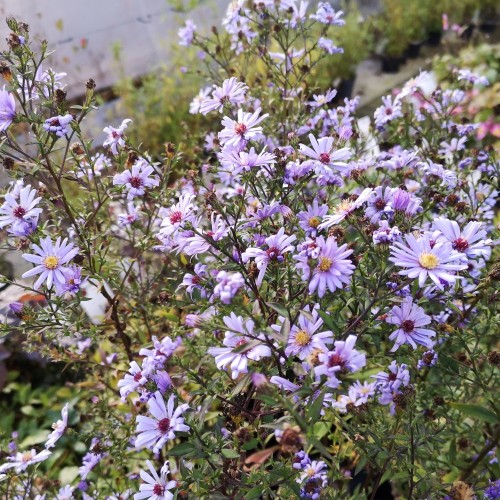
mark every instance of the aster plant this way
{"type": "Point", "coordinates": [300, 307]}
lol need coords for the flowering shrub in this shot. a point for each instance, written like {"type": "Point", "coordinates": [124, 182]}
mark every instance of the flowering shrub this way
{"type": "Point", "coordinates": [309, 313]}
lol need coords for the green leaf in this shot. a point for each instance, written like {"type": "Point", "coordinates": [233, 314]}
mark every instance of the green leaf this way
{"type": "Point", "coordinates": [279, 308]}
{"type": "Point", "coordinates": [476, 411]}
{"type": "Point", "coordinates": [315, 408]}
{"type": "Point", "coordinates": [255, 492]}
{"type": "Point", "coordinates": [251, 445]}
{"type": "Point", "coordinates": [228, 453]}
{"type": "Point", "coordinates": [35, 438]}
{"type": "Point", "coordinates": [269, 400]}
{"type": "Point", "coordinates": [182, 449]}
{"type": "Point", "coordinates": [328, 320]}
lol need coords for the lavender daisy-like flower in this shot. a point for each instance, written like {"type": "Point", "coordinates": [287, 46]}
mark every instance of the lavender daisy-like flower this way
{"type": "Point", "coordinates": [186, 34]}
{"type": "Point", "coordinates": [59, 428]}
{"type": "Point", "coordinates": [7, 109]}
{"type": "Point", "coordinates": [239, 346]}
{"type": "Point", "coordinates": [195, 105]}
{"type": "Point", "coordinates": [115, 136]}
{"type": "Point", "coordinates": [332, 269]}
{"type": "Point", "coordinates": [398, 376]}
{"type": "Point", "coordinates": [388, 111]}
{"type": "Point", "coordinates": [327, 15]}
{"type": "Point", "coordinates": [132, 381]}
{"type": "Point", "coordinates": [58, 125]}
{"type": "Point", "coordinates": [410, 318]}
{"type": "Point", "coordinates": [322, 157]}
{"type": "Point", "coordinates": [137, 179]}
{"type": "Point", "coordinates": [154, 432]}
{"type": "Point", "coordinates": [231, 92]}
{"type": "Point", "coordinates": [423, 260]}
{"type": "Point", "coordinates": [238, 161]}
{"type": "Point", "coordinates": [238, 132]}
{"type": "Point", "coordinates": [50, 261]}
{"type": "Point", "coordinates": [305, 338]}
{"type": "Point", "coordinates": [310, 219]}
{"type": "Point", "coordinates": [22, 460]}
{"type": "Point", "coordinates": [346, 208]}
{"type": "Point", "coordinates": [155, 487]}
{"type": "Point", "coordinates": [72, 281]}
{"type": "Point", "coordinates": [379, 204]}
{"type": "Point", "coordinates": [277, 246]}
{"type": "Point", "coordinates": [19, 210]}
{"type": "Point", "coordinates": [178, 214]}
{"type": "Point", "coordinates": [470, 241]}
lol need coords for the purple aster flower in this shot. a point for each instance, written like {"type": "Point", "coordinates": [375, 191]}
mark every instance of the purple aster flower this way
{"type": "Point", "coordinates": [304, 338]}
{"type": "Point", "coordinates": [50, 261]}
{"type": "Point", "coordinates": [19, 210]}
{"type": "Point", "coordinates": [195, 105]}
{"type": "Point", "coordinates": [429, 358]}
{"type": "Point", "coordinates": [423, 260]}
{"type": "Point", "coordinates": [193, 281]}
{"type": "Point", "coordinates": [238, 161]}
{"type": "Point", "coordinates": [471, 241]}
{"type": "Point", "coordinates": [410, 318]}
{"type": "Point", "coordinates": [22, 460]}
{"type": "Point", "coordinates": [343, 359]}
{"type": "Point", "coordinates": [310, 219]}
{"type": "Point", "coordinates": [163, 381]}
{"type": "Point", "coordinates": [202, 243]}
{"type": "Point", "coordinates": [448, 177]}
{"type": "Point", "coordinates": [158, 356]}
{"type": "Point", "coordinates": [327, 15]}
{"type": "Point", "coordinates": [400, 159]}
{"type": "Point", "coordinates": [132, 381]}
{"type": "Point", "coordinates": [379, 204]}
{"type": "Point", "coordinates": [398, 376]}
{"type": "Point", "coordinates": [405, 203]}
{"type": "Point", "coordinates": [314, 470]}
{"type": "Point", "coordinates": [115, 136]}
{"type": "Point", "coordinates": [89, 461]}
{"type": "Point", "coordinates": [178, 214]}
{"type": "Point", "coordinates": [154, 432]}
{"type": "Point", "coordinates": [59, 428]}
{"type": "Point", "coordinates": [7, 109]}
{"type": "Point", "coordinates": [471, 77]}
{"type": "Point", "coordinates": [155, 487]}
{"type": "Point", "coordinates": [238, 132]}
{"type": "Point", "coordinates": [323, 159]}
{"type": "Point", "coordinates": [385, 234]}
{"type": "Point", "coordinates": [186, 34]}
{"type": "Point", "coordinates": [332, 270]}
{"type": "Point", "coordinates": [137, 179]}
{"type": "Point", "coordinates": [227, 286]}
{"type": "Point", "coordinates": [58, 125]}
{"type": "Point", "coordinates": [65, 493]}
{"type": "Point", "coordinates": [346, 208]}
{"type": "Point", "coordinates": [322, 99]}
{"type": "Point", "coordinates": [72, 281]}
{"type": "Point", "coordinates": [277, 245]}
{"type": "Point", "coordinates": [328, 46]}
{"type": "Point", "coordinates": [492, 492]}
{"type": "Point", "coordinates": [353, 398]}
{"type": "Point", "coordinates": [231, 92]}
{"type": "Point", "coordinates": [130, 216]}
{"type": "Point", "coordinates": [388, 111]}
{"type": "Point", "coordinates": [244, 341]}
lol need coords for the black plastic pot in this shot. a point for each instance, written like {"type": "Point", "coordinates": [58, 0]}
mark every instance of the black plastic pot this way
{"type": "Point", "coordinates": [434, 37]}
{"type": "Point", "coordinates": [345, 88]}
{"type": "Point", "coordinates": [413, 50]}
{"type": "Point", "coordinates": [486, 26]}
{"type": "Point", "coordinates": [392, 64]}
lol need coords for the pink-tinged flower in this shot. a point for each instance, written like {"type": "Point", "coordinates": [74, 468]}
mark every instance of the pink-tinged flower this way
{"type": "Point", "coordinates": [132, 381]}
{"type": "Point", "coordinates": [398, 376]}
{"type": "Point", "coordinates": [195, 105]}
{"type": "Point", "coordinates": [238, 132]}
{"type": "Point", "coordinates": [423, 260]}
{"type": "Point", "coordinates": [231, 92]}
{"type": "Point", "coordinates": [193, 282]}
{"type": "Point", "coordinates": [471, 241]}
{"type": "Point", "coordinates": [154, 432]}
{"type": "Point", "coordinates": [155, 487]}
{"type": "Point", "coordinates": [232, 158]}
{"type": "Point", "coordinates": [58, 125]}
{"type": "Point", "coordinates": [310, 219]}
{"type": "Point", "coordinates": [186, 34]}
{"type": "Point", "coordinates": [19, 210]}
{"type": "Point", "coordinates": [327, 15]}
{"type": "Point", "coordinates": [304, 338]}
{"type": "Point", "coordinates": [241, 344]}
{"type": "Point", "coordinates": [277, 246]}
{"type": "Point", "coordinates": [410, 318]}
{"type": "Point", "coordinates": [343, 359]}
{"type": "Point", "coordinates": [50, 261]}
{"type": "Point", "coordinates": [115, 136]}
{"type": "Point", "coordinates": [59, 428]}
{"type": "Point", "coordinates": [178, 214]}
{"type": "Point", "coordinates": [22, 460]}
{"type": "Point", "coordinates": [488, 127]}
{"type": "Point", "coordinates": [137, 179]}
{"type": "Point", "coordinates": [332, 269]}
{"type": "Point", "coordinates": [323, 159]}
{"type": "Point", "coordinates": [346, 208]}
{"type": "Point", "coordinates": [201, 243]}
{"type": "Point", "coordinates": [130, 216]}
{"type": "Point", "coordinates": [388, 111]}
{"type": "Point", "coordinates": [7, 109]}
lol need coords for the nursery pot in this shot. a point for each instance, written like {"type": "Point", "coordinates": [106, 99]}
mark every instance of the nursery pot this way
{"type": "Point", "coordinates": [345, 88]}
{"type": "Point", "coordinates": [434, 37]}
{"type": "Point", "coordinates": [413, 50]}
{"type": "Point", "coordinates": [392, 64]}
{"type": "Point", "coordinates": [487, 26]}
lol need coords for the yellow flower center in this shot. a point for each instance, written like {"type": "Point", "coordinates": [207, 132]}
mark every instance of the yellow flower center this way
{"type": "Point", "coordinates": [27, 456]}
{"type": "Point", "coordinates": [302, 338]}
{"type": "Point", "coordinates": [324, 264]}
{"type": "Point", "coordinates": [314, 222]}
{"type": "Point", "coordinates": [51, 262]}
{"type": "Point", "coordinates": [428, 260]}
{"type": "Point", "coordinates": [344, 206]}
